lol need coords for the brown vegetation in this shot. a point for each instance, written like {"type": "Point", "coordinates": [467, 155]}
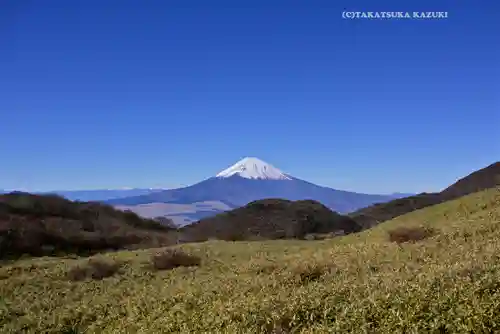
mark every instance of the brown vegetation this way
{"type": "Point", "coordinates": [93, 268]}
{"type": "Point", "coordinates": [173, 258]}
{"type": "Point", "coordinates": [309, 273]}
{"type": "Point", "coordinates": [51, 225]}
{"type": "Point", "coordinates": [271, 219]}
{"type": "Point", "coordinates": [410, 234]}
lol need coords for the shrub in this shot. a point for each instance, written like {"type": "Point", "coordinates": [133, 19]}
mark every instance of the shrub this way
{"type": "Point", "coordinates": [234, 236]}
{"type": "Point", "coordinates": [94, 268]}
{"type": "Point", "coordinates": [172, 258]}
{"type": "Point", "coordinates": [308, 273]}
{"type": "Point", "coordinates": [410, 234]}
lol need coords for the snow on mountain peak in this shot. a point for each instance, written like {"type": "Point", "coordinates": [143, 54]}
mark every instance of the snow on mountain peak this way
{"type": "Point", "coordinates": [253, 168]}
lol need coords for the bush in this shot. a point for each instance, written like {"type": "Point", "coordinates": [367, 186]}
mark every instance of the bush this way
{"type": "Point", "coordinates": [309, 273]}
{"type": "Point", "coordinates": [172, 258]}
{"type": "Point", "coordinates": [94, 268]}
{"type": "Point", "coordinates": [233, 236]}
{"type": "Point", "coordinates": [410, 234]}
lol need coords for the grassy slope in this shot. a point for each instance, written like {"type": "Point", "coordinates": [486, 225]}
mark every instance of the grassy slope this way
{"type": "Point", "coordinates": [450, 282]}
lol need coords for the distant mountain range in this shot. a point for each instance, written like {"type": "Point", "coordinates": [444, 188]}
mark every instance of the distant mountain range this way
{"type": "Point", "coordinates": [97, 194]}
{"type": "Point", "coordinates": [103, 194]}
{"type": "Point", "coordinates": [248, 180]}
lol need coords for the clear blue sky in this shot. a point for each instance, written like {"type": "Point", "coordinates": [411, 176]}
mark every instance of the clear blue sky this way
{"type": "Point", "coordinates": [105, 94]}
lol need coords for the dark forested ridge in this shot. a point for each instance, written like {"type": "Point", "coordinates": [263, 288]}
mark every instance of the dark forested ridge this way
{"type": "Point", "coordinates": [51, 225]}
{"type": "Point", "coordinates": [485, 178]}
{"type": "Point", "coordinates": [271, 219]}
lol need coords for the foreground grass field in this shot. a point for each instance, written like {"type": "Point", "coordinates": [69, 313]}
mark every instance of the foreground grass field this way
{"type": "Point", "coordinates": [449, 282]}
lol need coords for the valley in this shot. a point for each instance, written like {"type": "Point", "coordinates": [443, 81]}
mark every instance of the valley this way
{"type": "Point", "coordinates": [418, 264]}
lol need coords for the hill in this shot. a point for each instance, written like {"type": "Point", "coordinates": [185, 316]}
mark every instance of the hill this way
{"type": "Point", "coordinates": [48, 225]}
{"type": "Point", "coordinates": [363, 282]}
{"type": "Point", "coordinates": [485, 178]}
{"type": "Point", "coordinates": [270, 219]}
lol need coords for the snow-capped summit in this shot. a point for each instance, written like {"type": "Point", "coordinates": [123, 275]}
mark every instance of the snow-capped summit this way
{"type": "Point", "coordinates": [254, 168]}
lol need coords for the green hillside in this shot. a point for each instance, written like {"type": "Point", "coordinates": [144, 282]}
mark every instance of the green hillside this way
{"type": "Point", "coordinates": [365, 283]}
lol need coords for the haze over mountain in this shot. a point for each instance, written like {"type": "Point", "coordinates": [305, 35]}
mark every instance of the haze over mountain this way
{"type": "Point", "coordinates": [248, 180]}
{"type": "Point", "coordinates": [103, 194]}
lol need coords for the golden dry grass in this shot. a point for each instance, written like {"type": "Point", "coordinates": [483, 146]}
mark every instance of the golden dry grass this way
{"type": "Point", "coordinates": [449, 282]}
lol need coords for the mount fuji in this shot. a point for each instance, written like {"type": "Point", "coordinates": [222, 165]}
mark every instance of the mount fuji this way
{"type": "Point", "coordinates": [248, 180]}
